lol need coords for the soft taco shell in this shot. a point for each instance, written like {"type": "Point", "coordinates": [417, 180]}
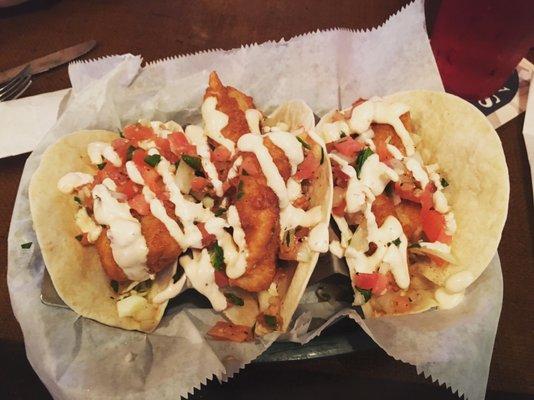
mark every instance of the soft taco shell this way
{"type": "Point", "coordinates": [454, 134]}
{"type": "Point", "coordinates": [297, 114]}
{"type": "Point", "coordinates": [76, 271]}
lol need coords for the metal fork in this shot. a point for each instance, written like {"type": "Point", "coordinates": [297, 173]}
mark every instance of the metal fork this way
{"type": "Point", "coordinates": [14, 87]}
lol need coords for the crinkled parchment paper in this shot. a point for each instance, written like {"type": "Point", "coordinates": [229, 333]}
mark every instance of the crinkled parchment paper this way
{"type": "Point", "coordinates": [78, 358]}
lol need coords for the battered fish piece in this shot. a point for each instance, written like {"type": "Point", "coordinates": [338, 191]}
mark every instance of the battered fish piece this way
{"type": "Point", "coordinates": [407, 212]}
{"type": "Point", "coordinates": [233, 103]}
{"type": "Point", "coordinates": [163, 250]}
{"type": "Point", "coordinates": [258, 210]}
{"type": "Point", "coordinates": [103, 247]}
{"type": "Point", "coordinates": [384, 131]}
{"type": "Point", "coordinates": [279, 157]}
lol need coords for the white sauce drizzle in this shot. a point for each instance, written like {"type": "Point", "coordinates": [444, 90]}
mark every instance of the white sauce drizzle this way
{"type": "Point", "coordinates": [196, 136]}
{"type": "Point", "coordinates": [253, 117]}
{"type": "Point", "coordinates": [200, 273]}
{"type": "Point", "coordinates": [99, 150]}
{"type": "Point", "coordinates": [87, 225]}
{"type": "Point", "coordinates": [232, 173]}
{"type": "Point", "coordinates": [73, 180]}
{"type": "Point", "coordinates": [459, 281]}
{"type": "Point", "coordinates": [127, 242]}
{"type": "Point", "coordinates": [171, 291]}
{"type": "Point", "coordinates": [417, 171]}
{"type": "Point", "coordinates": [448, 300]}
{"type": "Point", "coordinates": [290, 145]}
{"type": "Point", "coordinates": [318, 238]}
{"type": "Point", "coordinates": [214, 121]}
{"type": "Point", "coordinates": [438, 246]}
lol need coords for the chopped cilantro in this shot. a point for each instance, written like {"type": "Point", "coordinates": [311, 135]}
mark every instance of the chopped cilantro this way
{"type": "Point", "coordinates": [193, 161]}
{"type": "Point", "coordinates": [78, 237]}
{"type": "Point", "coordinates": [129, 153]}
{"type": "Point", "coordinates": [240, 190]}
{"type": "Point", "coordinates": [287, 238]}
{"type": "Point", "coordinates": [322, 156]}
{"type": "Point", "coordinates": [77, 200]}
{"type": "Point", "coordinates": [217, 257]}
{"type": "Point", "coordinates": [153, 159]}
{"type": "Point", "coordinates": [304, 143]}
{"type": "Point", "coordinates": [121, 134]}
{"type": "Point", "coordinates": [388, 190]}
{"type": "Point", "coordinates": [101, 165]}
{"type": "Point", "coordinates": [26, 245]}
{"type": "Point", "coordinates": [397, 242]}
{"type": "Point", "coordinates": [220, 211]}
{"type": "Point", "coordinates": [232, 298]}
{"type": "Point", "coordinates": [365, 293]}
{"type": "Point", "coordinates": [362, 156]}
{"type": "Point", "coordinates": [270, 321]}
{"type": "Point", "coordinates": [444, 183]}
{"type": "Point", "coordinates": [114, 286]}
{"type": "Point", "coordinates": [343, 134]}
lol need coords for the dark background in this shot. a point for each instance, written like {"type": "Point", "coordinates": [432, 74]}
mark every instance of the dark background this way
{"type": "Point", "coordinates": [158, 29]}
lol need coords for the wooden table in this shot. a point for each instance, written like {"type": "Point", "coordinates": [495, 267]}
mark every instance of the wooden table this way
{"type": "Point", "coordinates": [164, 28]}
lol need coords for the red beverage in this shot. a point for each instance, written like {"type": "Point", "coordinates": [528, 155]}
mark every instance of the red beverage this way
{"type": "Point", "coordinates": [478, 43]}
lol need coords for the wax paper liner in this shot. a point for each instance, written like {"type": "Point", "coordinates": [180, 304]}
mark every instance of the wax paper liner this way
{"type": "Point", "coordinates": [79, 358]}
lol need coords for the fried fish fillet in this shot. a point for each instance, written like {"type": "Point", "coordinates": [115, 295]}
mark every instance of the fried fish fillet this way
{"type": "Point", "coordinates": [163, 250]}
{"type": "Point", "coordinates": [233, 103]}
{"type": "Point", "coordinates": [258, 210]}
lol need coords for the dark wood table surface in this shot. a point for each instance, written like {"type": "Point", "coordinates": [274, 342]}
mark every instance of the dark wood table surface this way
{"type": "Point", "coordinates": [158, 29]}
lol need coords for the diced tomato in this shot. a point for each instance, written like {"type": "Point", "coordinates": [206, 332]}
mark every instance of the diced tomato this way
{"type": "Point", "coordinates": [207, 238]}
{"type": "Point", "coordinates": [164, 148]}
{"type": "Point", "coordinates": [307, 168]}
{"type": "Point", "coordinates": [120, 146]}
{"type": "Point", "coordinates": [139, 204]}
{"type": "Point", "coordinates": [436, 260]}
{"type": "Point", "coordinates": [341, 179]}
{"type": "Point", "coordinates": [138, 132]}
{"type": "Point", "coordinates": [348, 146]}
{"type": "Point", "coordinates": [427, 201]}
{"type": "Point", "coordinates": [250, 166]}
{"type": "Point", "coordinates": [221, 153]}
{"type": "Point", "coordinates": [434, 226]}
{"type": "Point", "coordinates": [227, 331]}
{"type": "Point", "coordinates": [149, 174]}
{"type": "Point", "coordinates": [199, 183]}
{"type": "Point", "coordinates": [339, 210]}
{"type": "Point", "coordinates": [88, 202]}
{"type": "Point", "coordinates": [221, 279]}
{"type": "Point", "coordinates": [179, 145]}
{"type": "Point", "coordinates": [408, 192]}
{"type": "Point", "coordinates": [375, 282]}
{"type": "Point", "coordinates": [129, 189]}
{"type": "Point", "coordinates": [302, 202]}
{"type": "Point", "coordinates": [116, 174]}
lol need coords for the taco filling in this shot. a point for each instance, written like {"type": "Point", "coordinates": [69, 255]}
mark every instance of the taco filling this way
{"type": "Point", "coordinates": [395, 224]}
{"type": "Point", "coordinates": [238, 203]}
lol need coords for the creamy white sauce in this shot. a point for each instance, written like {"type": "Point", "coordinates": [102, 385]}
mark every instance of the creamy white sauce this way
{"type": "Point", "coordinates": [232, 173]}
{"type": "Point", "coordinates": [291, 217]}
{"type": "Point", "coordinates": [380, 111]}
{"type": "Point", "coordinates": [417, 171]}
{"type": "Point", "coordinates": [238, 232]}
{"type": "Point", "coordinates": [110, 184]}
{"type": "Point", "coordinates": [235, 259]}
{"type": "Point", "coordinates": [448, 300]}
{"type": "Point", "coordinates": [450, 223]}
{"type": "Point", "coordinates": [459, 281]}
{"type": "Point", "coordinates": [184, 176]}
{"type": "Point", "coordinates": [147, 144]}
{"type": "Point", "coordinates": [127, 242]}
{"type": "Point", "coordinates": [99, 150]}
{"type": "Point", "coordinates": [294, 189]}
{"type": "Point", "coordinates": [254, 144]}
{"type": "Point", "coordinates": [440, 202]}
{"type": "Point", "coordinates": [336, 249]}
{"type": "Point", "coordinates": [215, 121]}
{"type": "Point", "coordinates": [171, 291]}
{"type": "Point", "coordinates": [133, 173]}
{"type": "Point", "coordinates": [376, 175]}
{"type": "Point", "coordinates": [318, 238]}
{"type": "Point", "coordinates": [397, 155]}
{"type": "Point", "coordinates": [73, 180]}
{"type": "Point", "coordinates": [343, 226]}
{"type": "Point", "coordinates": [87, 225]}
{"type": "Point", "coordinates": [253, 118]}
{"type": "Point", "coordinates": [438, 246]}
{"type": "Point", "coordinates": [200, 273]}
{"type": "Point", "coordinates": [290, 146]}
{"type": "Point", "coordinates": [196, 136]}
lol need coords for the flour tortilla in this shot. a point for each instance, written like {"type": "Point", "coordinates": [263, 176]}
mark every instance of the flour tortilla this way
{"type": "Point", "coordinates": [296, 114]}
{"type": "Point", "coordinates": [76, 271]}
{"type": "Point", "coordinates": [458, 137]}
